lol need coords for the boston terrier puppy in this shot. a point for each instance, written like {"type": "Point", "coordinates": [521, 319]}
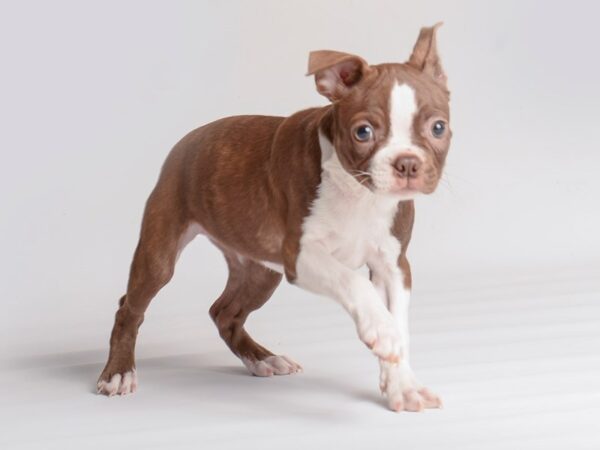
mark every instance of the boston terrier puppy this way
{"type": "Point", "coordinates": [312, 197]}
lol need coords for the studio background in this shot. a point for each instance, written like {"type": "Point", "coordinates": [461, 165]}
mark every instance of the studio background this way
{"type": "Point", "coordinates": [94, 95]}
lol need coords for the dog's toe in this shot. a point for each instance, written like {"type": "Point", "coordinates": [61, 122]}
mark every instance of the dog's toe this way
{"type": "Point", "coordinates": [403, 392]}
{"type": "Point", "coordinates": [118, 384]}
{"type": "Point", "coordinates": [412, 400]}
{"type": "Point", "coordinates": [272, 365]}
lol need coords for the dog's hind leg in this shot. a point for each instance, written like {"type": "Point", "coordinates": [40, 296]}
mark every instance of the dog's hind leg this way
{"type": "Point", "coordinates": [248, 287]}
{"type": "Point", "coordinates": [163, 236]}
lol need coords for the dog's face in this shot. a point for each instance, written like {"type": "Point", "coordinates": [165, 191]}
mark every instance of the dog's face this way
{"type": "Point", "coordinates": [391, 126]}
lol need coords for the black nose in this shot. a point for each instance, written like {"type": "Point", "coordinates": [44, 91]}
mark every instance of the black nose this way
{"type": "Point", "coordinates": [407, 166]}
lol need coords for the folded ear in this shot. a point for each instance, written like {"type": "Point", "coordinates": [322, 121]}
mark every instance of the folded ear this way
{"type": "Point", "coordinates": [335, 72]}
{"type": "Point", "coordinates": [425, 55]}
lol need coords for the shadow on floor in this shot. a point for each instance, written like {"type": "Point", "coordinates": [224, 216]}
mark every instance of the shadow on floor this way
{"type": "Point", "coordinates": [208, 377]}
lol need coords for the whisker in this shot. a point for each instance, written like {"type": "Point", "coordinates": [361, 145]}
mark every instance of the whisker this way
{"type": "Point", "coordinates": [447, 184]}
{"type": "Point", "coordinates": [445, 173]}
{"type": "Point", "coordinates": [363, 181]}
{"type": "Point", "coordinates": [360, 172]}
{"type": "Point", "coordinates": [361, 176]}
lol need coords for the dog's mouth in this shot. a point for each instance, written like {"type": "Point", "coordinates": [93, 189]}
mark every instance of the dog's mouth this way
{"type": "Point", "coordinates": [412, 188]}
{"type": "Point", "coordinates": [424, 183]}
{"type": "Point", "coordinates": [405, 188]}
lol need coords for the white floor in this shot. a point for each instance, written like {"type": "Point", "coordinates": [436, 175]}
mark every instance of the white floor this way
{"type": "Point", "coordinates": [517, 364]}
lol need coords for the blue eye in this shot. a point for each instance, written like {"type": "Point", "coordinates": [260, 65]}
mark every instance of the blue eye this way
{"type": "Point", "coordinates": [438, 128]}
{"type": "Point", "coordinates": [363, 133]}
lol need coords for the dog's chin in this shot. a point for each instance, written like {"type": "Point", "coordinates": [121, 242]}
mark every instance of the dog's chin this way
{"type": "Point", "coordinates": [399, 194]}
{"type": "Point", "coordinates": [405, 193]}
{"type": "Point", "coordinates": [408, 191]}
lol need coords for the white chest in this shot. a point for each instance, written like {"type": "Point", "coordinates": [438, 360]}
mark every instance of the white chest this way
{"type": "Point", "coordinates": [349, 220]}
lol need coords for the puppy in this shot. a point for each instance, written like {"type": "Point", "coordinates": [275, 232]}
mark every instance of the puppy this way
{"type": "Point", "coordinates": [313, 196]}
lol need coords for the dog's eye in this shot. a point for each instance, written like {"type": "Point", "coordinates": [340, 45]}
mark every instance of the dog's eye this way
{"type": "Point", "coordinates": [438, 128]}
{"type": "Point", "coordinates": [363, 133]}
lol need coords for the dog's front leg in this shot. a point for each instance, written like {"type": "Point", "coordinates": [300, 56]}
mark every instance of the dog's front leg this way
{"type": "Point", "coordinates": [397, 381]}
{"type": "Point", "coordinates": [319, 272]}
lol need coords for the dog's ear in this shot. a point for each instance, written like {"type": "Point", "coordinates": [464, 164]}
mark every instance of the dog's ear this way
{"type": "Point", "coordinates": [335, 72]}
{"type": "Point", "coordinates": [425, 55]}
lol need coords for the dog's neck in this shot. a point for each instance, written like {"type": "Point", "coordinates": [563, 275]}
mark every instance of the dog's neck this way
{"type": "Point", "coordinates": [333, 170]}
{"type": "Point", "coordinates": [348, 189]}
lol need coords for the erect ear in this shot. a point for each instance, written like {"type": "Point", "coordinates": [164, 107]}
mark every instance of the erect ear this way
{"type": "Point", "coordinates": [335, 72]}
{"type": "Point", "coordinates": [425, 55]}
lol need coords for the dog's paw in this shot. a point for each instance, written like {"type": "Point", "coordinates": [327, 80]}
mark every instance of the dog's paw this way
{"type": "Point", "coordinates": [412, 399]}
{"type": "Point", "coordinates": [118, 384]}
{"type": "Point", "coordinates": [272, 365]}
{"type": "Point", "coordinates": [403, 393]}
{"type": "Point", "coordinates": [380, 333]}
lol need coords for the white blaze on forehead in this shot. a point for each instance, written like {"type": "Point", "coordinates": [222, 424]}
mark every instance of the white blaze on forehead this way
{"type": "Point", "coordinates": [403, 107]}
{"type": "Point", "coordinates": [402, 110]}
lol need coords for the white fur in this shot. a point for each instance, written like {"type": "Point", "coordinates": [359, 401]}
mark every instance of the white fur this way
{"type": "Point", "coordinates": [397, 381]}
{"type": "Point", "coordinates": [403, 107]}
{"type": "Point", "coordinates": [403, 392]}
{"type": "Point", "coordinates": [121, 384]}
{"type": "Point", "coordinates": [349, 219]}
{"type": "Point", "coordinates": [273, 266]}
{"type": "Point", "coordinates": [348, 226]}
{"type": "Point", "coordinates": [272, 365]}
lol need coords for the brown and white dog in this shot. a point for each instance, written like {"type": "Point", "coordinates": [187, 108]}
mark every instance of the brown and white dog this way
{"type": "Point", "coordinates": [313, 196]}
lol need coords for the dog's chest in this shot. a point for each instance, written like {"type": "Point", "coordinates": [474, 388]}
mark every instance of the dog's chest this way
{"type": "Point", "coordinates": [351, 222]}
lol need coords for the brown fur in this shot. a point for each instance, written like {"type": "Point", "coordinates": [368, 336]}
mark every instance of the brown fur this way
{"type": "Point", "coordinates": [249, 182]}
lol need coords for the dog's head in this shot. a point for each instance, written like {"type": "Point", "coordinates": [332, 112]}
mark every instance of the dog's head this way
{"type": "Point", "coordinates": [390, 126]}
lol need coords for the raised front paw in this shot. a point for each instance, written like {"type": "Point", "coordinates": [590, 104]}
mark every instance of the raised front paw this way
{"type": "Point", "coordinates": [403, 393]}
{"type": "Point", "coordinates": [380, 333]}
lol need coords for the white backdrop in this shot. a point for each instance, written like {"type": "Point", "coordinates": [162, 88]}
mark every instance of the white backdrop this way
{"type": "Point", "coordinates": [93, 96]}
{"type": "Point", "coordinates": [506, 255]}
